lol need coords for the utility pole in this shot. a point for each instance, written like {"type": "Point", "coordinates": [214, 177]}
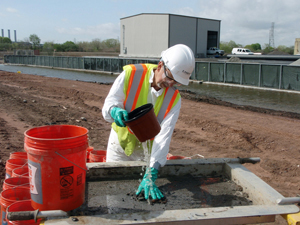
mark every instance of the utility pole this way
{"type": "Point", "coordinates": [271, 36]}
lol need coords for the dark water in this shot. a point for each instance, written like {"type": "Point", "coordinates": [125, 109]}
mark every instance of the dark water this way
{"type": "Point", "coordinates": [64, 74]}
{"type": "Point", "coordinates": [276, 100]}
{"type": "Point", "coordinates": [247, 96]}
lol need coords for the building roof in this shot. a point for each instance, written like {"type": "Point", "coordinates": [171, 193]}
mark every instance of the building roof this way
{"type": "Point", "coordinates": [167, 14]}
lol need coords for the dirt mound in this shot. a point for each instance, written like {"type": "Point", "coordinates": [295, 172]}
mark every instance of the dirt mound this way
{"type": "Point", "coordinates": [296, 63]}
{"type": "Point", "coordinates": [276, 52]}
{"type": "Point", "coordinates": [234, 59]}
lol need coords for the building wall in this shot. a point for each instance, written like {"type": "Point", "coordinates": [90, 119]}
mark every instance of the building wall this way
{"type": "Point", "coordinates": [297, 46]}
{"type": "Point", "coordinates": [183, 30]}
{"type": "Point", "coordinates": [146, 35]}
{"type": "Point", "coordinates": [203, 26]}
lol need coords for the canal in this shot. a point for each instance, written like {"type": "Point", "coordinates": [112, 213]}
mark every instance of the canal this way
{"type": "Point", "coordinates": [243, 96]}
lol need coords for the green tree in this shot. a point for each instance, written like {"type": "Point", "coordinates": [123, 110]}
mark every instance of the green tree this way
{"type": "Point", "coordinates": [254, 47]}
{"type": "Point", "coordinates": [228, 46]}
{"type": "Point", "coordinates": [5, 40]}
{"type": "Point", "coordinates": [22, 45]}
{"type": "Point", "coordinates": [58, 47]}
{"type": "Point", "coordinates": [35, 40]}
{"type": "Point", "coordinates": [48, 47]}
{"type": "Point", "coordinates": [5, 44]}
{"type": "Point", "coordinates": [112, 44]}
{"type": "Point", "coordinates": [267, 49]}
{"type": "Point", "coordinates": [288, 50]}
{"type": "Point", "coordinates": [84, 46]}
{"type": "Point", "coordinates": [97, 45]}
{"type": "Point", "coordinates": [69, 46]}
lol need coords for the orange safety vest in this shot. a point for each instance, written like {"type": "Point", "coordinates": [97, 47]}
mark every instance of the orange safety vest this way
{"type": "Point", "coordinates": [136, 89]}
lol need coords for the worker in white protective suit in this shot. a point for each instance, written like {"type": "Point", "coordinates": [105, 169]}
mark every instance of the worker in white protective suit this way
{"type": "Point", "coordinates": [147, 83]}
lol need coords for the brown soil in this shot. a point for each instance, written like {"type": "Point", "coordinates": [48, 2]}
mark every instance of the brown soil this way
{"type": "Point", "coordinates": [212, 130]}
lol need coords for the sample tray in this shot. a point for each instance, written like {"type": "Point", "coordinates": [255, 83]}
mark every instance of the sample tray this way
{"type": "Point", "coordinates": [202, 191]}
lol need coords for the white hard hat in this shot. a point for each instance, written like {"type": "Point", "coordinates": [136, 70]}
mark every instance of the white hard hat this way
{"type": "Point", "coordinates": [180, 61]}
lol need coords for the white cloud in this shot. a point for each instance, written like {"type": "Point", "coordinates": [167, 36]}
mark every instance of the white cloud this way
{"type": "Point", "coordinates": [249, 21]}
{"type": "Point", "coordinates": [102, 31]}
{"type": "Point", "coordinates": [11, 10]}
{"type": "Point", "coordinates": [187, 11]}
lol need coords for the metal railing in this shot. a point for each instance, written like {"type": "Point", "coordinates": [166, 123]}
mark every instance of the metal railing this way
{"type": "Point", "coordinates": [276, 76]}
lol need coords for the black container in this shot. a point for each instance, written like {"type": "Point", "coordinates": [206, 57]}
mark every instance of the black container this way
{"type": "Point", "coordinates": [143, 123]}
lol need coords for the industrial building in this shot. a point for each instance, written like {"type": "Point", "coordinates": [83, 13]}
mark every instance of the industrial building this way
{"type": "Point", "coordinates": [148, 34]}
{"type": "Point", "coordinates": [297, 47]}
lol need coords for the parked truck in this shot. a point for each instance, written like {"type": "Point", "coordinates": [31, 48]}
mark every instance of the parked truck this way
{"type": "Point", "coordinates": [214, 51]}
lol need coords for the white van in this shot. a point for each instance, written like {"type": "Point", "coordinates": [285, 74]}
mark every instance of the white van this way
{"type": "Point", "coordinates": [241, 51]}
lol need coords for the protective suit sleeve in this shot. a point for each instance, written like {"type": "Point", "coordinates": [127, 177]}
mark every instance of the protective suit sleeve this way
{"type": "Point", "coordinates": [115, 97]}
{"type": "Point", "coordinates": [161, 142]}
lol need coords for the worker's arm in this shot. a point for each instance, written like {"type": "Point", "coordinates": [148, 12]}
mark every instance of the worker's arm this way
{"type": "Point", "coordinates": [159, 153]}
{"type": "Point", "coordinates": [162, 141]}
{"type": "Point", "coordinates": [115, 98]}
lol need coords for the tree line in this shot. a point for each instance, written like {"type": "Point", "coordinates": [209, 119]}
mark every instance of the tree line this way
{"type": "Point", "coordinates": [113, 45]}
{"type": "Point", "coordinates": [256, 47]}
{"type": "Point", "coordinates": [34, 42]}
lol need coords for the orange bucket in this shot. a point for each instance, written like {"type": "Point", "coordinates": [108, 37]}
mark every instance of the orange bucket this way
{"type": "Point", "coordinates": [21, 172]}
{"type": "Point", "coordinates": [57, 166]}
{"type": "Point", "coordinates": [21, 207]}
{"type": "Point", "coordinates": [18, 155]}
{"type": "Point", "coordinates": [10, 196]}
{"type": "Point", "coordinates": [88, 151]}
{"type": "Point", "coordinates": [98, 156]}
{"type": "Point", "coordinates": [173, 157]}
{"type": "Point", "coordinates": [12, 164]}
{"type": "Point", "coordinates": [15, 182]}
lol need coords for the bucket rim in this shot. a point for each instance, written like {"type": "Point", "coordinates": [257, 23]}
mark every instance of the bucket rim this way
{"type": "Point", "coordinates": [5, 200]}
{"type": "Point", "coordinates": [7, 180]}
{"type": "Point", "coordinates": [28, 201]}
{"type": "Point", "coordinates": [95, 151]}
{"type": "Point", "coordinates": [55, 139]}
{"type": "Point", "coordinates": [18, 153]}
{"type": "Point", "coordinates": [11, 163]}
{"type": "Point", "coordinates": [19, 170]}
{"type": "Point", "coordinates": [146, 107]}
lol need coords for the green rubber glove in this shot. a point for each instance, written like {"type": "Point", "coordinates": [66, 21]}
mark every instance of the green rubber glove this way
{"type": "Point", "coordinates": [149, 186]}
{"type": "Point", "coordinates": [119, 115]}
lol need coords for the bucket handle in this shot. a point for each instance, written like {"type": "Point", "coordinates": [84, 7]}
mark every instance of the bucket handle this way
{"type": "Point", "coordinates": [71, 161]}
{"type": "Point", "coordinates": [24, 174]}
{"type": "Point", "coordinates": [20, 185]}
{"type": "Point", "coordinates": [24, 164]}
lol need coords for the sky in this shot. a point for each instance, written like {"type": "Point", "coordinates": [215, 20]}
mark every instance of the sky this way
{"type": "Point", "coordinates": [242, 21]}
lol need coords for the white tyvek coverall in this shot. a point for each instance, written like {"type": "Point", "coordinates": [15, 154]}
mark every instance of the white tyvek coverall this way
{"type": "Point", "coordinates": [162, 140]}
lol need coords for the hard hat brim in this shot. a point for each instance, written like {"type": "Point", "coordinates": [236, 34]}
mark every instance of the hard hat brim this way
{"type": "Point", "coordinates": [180, 80]}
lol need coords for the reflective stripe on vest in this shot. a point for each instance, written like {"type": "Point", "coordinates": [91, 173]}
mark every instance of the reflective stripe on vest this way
{"type": "Point", "coordinates": [170, 97]}
{"type": "Point", "coordinates": [137, 77]}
